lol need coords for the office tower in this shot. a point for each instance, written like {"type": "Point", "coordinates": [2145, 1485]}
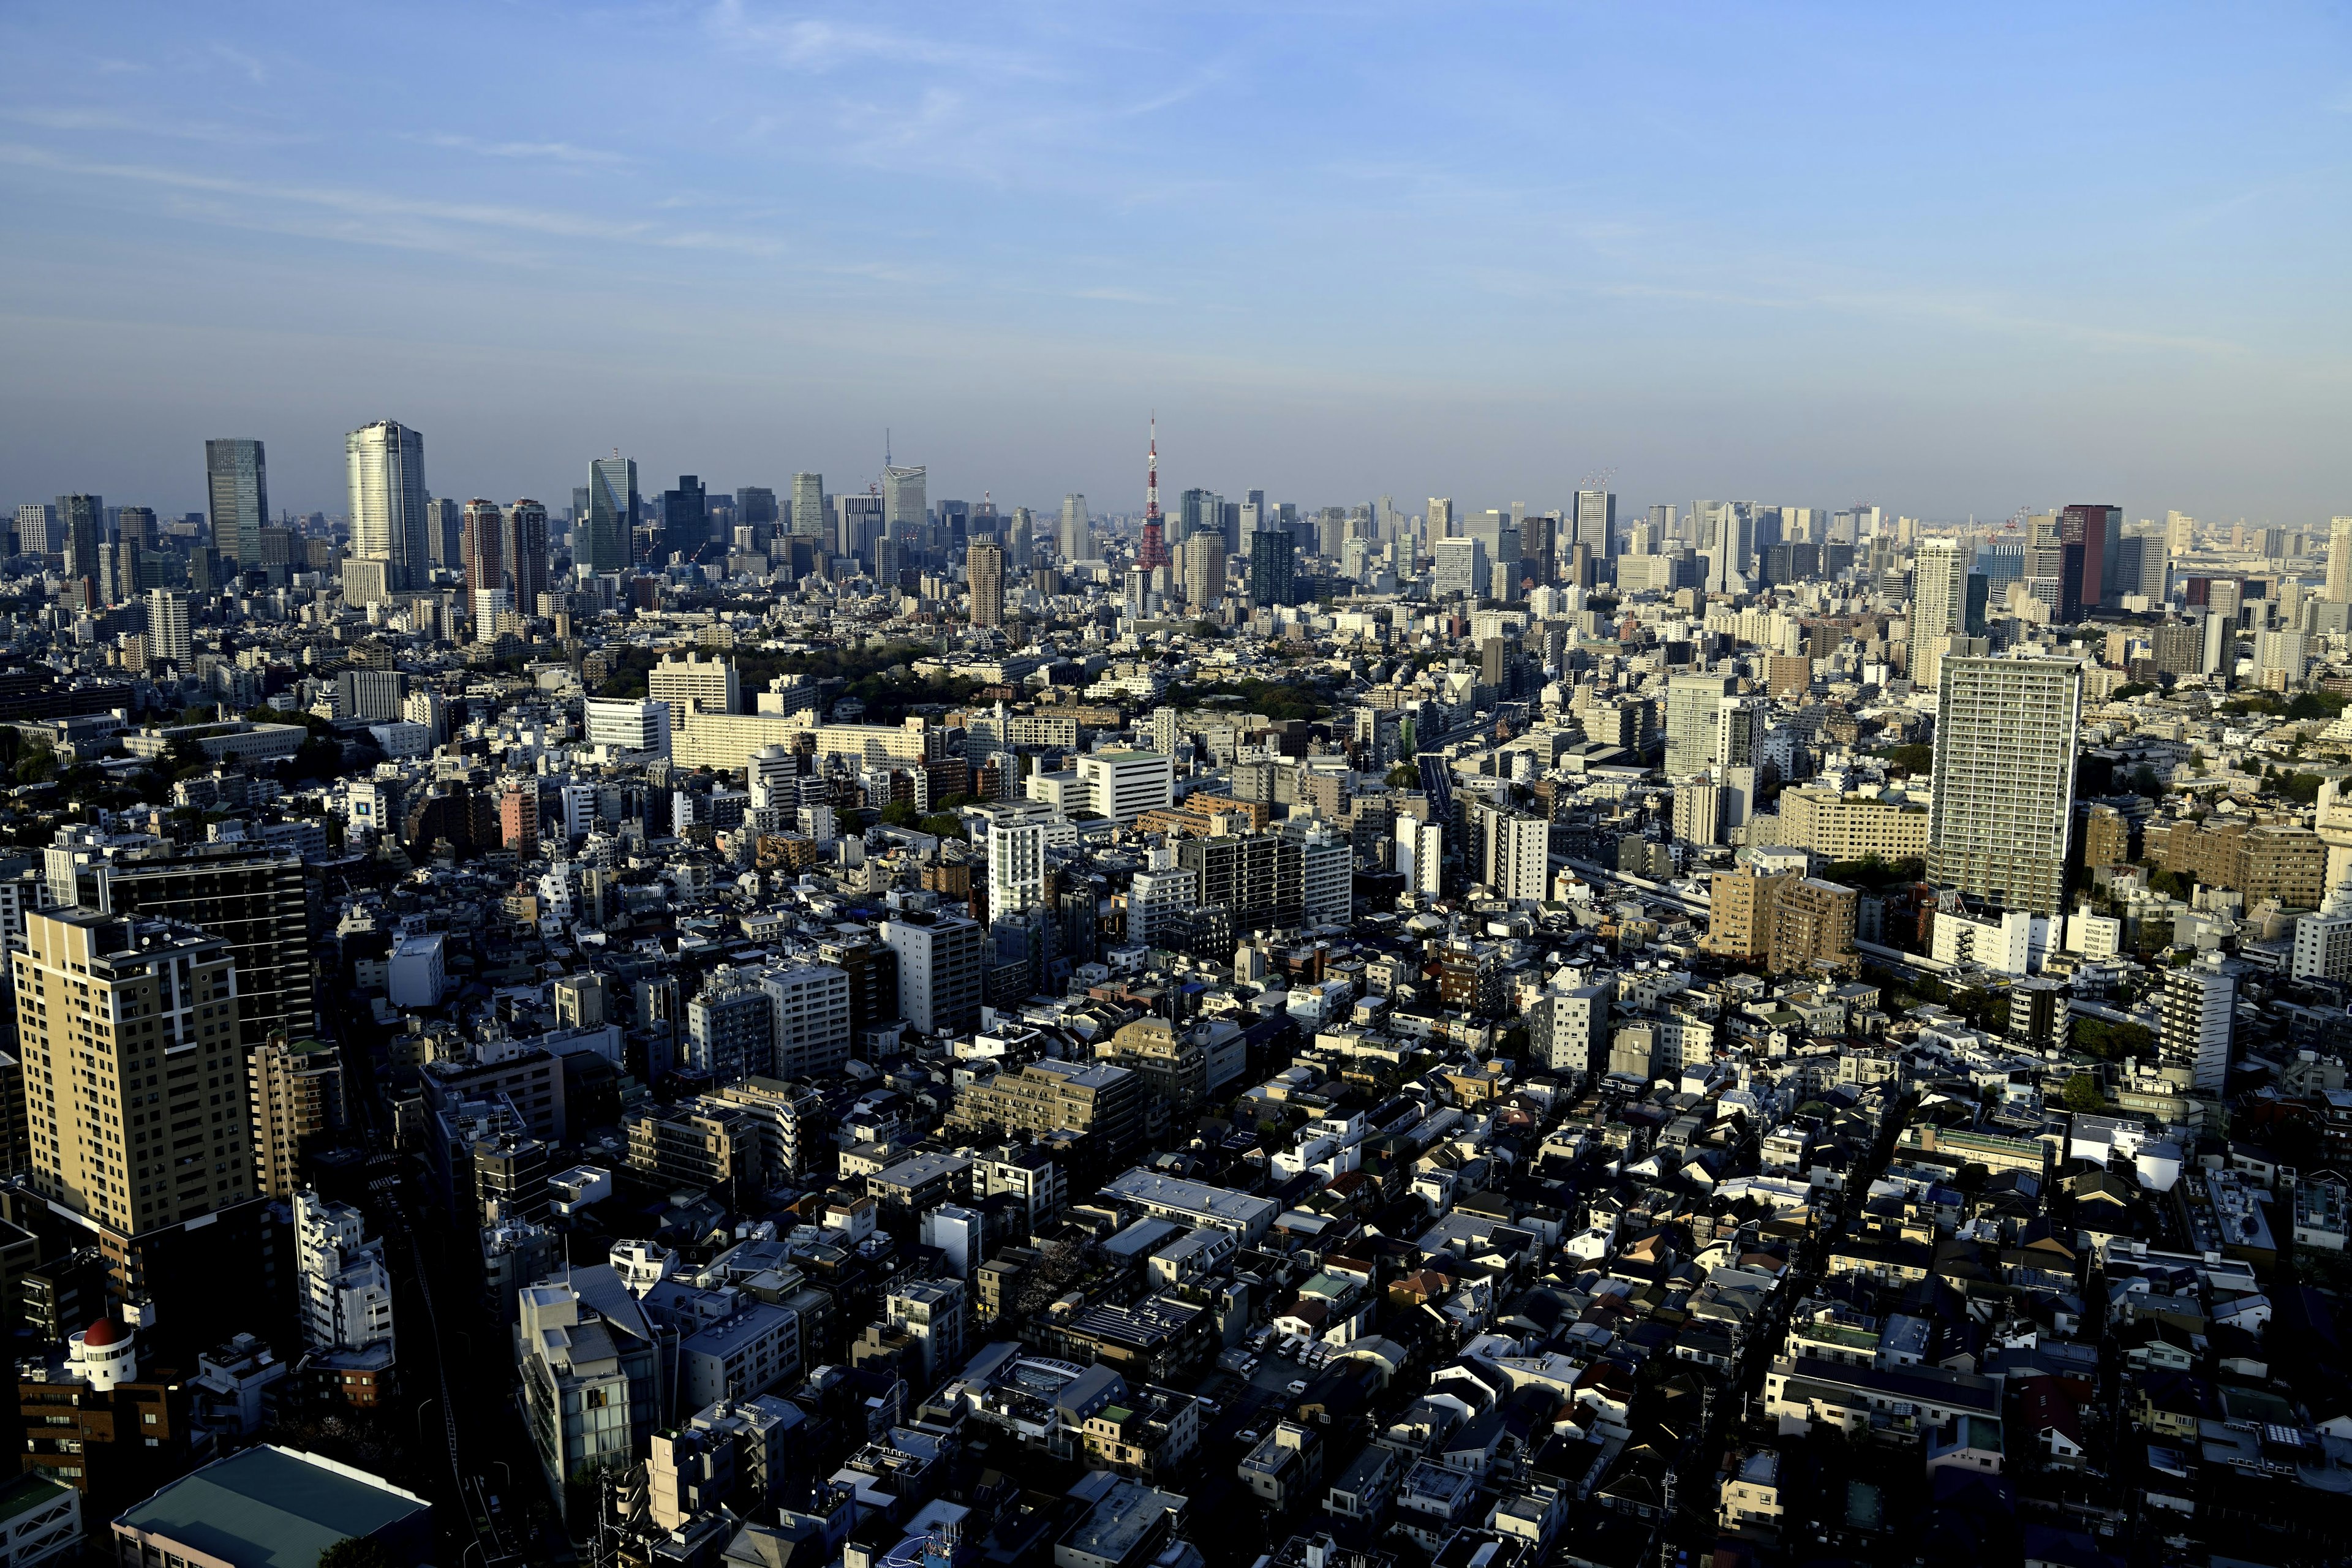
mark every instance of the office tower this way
{"type": "Point", "coordinates": [686, 517]}
{"type": "Point", "coordinates": [808, 509]}
{"type": "Point", "coordinates": [1939, 581]}
{"type": "Point", "coordinates": [938, 970]}
{"type": "Point", "coordinates": [522, 548]}
{"type": "Point", "coordinates": [2100, 530]}
{"type": "Point", "coordinates": [481, 554]}
{"type": "Point", "coordinates": [34, 521]}
{"type": "Point", "coordinates": [135, 525]}
{"type": "Point", "coordinates": [237, 484]}
{"type": "Point", "coordinates": [690, 677]}
{"type": "Point", "coordinates": [860, 526]}
{"type": "Point", "coordinates": [106, 1006]}
{"type": "Point", "coordinates": [2197, 1018]}
{"type": "Point", "coordinates": [755, 508]}
{"type": "Point", "coordinates": [1441, 517]}
{"type": "Point", "coordinates": [2004, 780]}
{"type": "Point", "coordinates": [1075, 542]}
{"type": "Point", "coordinates": [612, 514]}
{"type": "Point", "coordinates": [1204, 570]}
{"type": "Point", "coordinates": [386, 465]}
{"type": "Point", "coordinates": [1596, 523]}
{"type": "Point", "coordinates": [251, 898]}
{"type": "Point", "coordinates": [1123, 786]}
{"type": "Point", "coordinates": [1194, 511]}
{"type": "Point", "coordinates": [1461, 568]}
{"type": "Point", "coordinates": [2339, 559]}
{"type": "Point", "coordinates": [904, 508]}
{"type": "Point", "coordinates": [984, 564]}
{"type": "Point", "coordinates": [167, 625]}
{"type": "Point", "coordinates": [1020, 542]}
{"type": "Point", "coordinates": [81, 536]}
{"type": "Point", "coordinates": [445, 533]}
{"type": "Point", "coordinates": [1273, 566]}
{"type": "Point", "coordinates": [297, 1092]}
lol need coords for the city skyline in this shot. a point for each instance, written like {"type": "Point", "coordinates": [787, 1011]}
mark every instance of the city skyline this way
{"type": "Point", "coordinates": [1826, 256]}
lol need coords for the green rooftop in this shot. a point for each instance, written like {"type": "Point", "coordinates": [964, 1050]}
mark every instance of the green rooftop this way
{"type": "Point", "coordinates": [271, 1508]}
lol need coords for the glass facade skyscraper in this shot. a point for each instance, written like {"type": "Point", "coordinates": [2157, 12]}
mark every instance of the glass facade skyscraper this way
{"type": "Point", "coordinates": [905, 503]}
{"type": "Point", "coordinates": [612, 513]}
{"type": "Point", "coordinates": [386, 462]}
{"type": "Point", "coordinates": [237, 484]}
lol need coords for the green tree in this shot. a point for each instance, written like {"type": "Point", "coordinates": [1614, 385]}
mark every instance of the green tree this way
{"type": "Point", "coordinates": [1405, 775]}
{"type": "Point", "coordinates": [901, 813]}
{"type": "Point", "coordinates": [2082, 1094]}
{"type": "Point", "coordinates": [357, 1551]}
{"type": "Point", "coordinates": [943, 825]}
{"type": "Point", "coordinates": [1912, 759]}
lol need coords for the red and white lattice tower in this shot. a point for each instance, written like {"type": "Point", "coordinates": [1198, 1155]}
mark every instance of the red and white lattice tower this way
{"type": "Point", "coordinates": [1153, 552]}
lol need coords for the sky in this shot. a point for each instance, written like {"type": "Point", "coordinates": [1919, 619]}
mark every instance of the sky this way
{"type": "Point", "coordinates": [1949, 260]}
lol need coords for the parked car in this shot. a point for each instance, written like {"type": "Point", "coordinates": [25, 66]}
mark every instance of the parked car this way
{"type": "Point", "coordinates": [1298, 1387]}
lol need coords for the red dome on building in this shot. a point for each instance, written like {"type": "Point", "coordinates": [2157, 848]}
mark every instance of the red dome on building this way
{"type": "Point", "coordinates": [104, 1332]}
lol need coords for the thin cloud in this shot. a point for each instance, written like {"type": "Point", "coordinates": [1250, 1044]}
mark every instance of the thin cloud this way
{"type": "Point", "coordinates": [115, 120]}
{"type": "Point", "coordinates": [817, 45]}
{"type": "Point", "coordinates": [550, 152]}
{"type": "Point", "coordinates": [252, 68]}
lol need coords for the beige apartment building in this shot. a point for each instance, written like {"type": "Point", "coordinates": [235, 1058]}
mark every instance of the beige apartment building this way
{"type": "Point", "coordinates": [1851, 827]}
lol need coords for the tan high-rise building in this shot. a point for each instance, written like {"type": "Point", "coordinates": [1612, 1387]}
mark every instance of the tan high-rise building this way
{"type": "Point", "coordinates": [297, 1102]}
{"type": "Point", "coordinates": [2179, 534]}
{"type": "Point", "coordinates": [1739, 912]}
{"type": "Point", "coordinates": [984, 564]}
{"type": "Point", "coordinates": [1812, 926]}
{"type": "Point", "coordinates": [690, 678]}
{"type": "Point", "coordinates": [135, 1081]}
{"type": "Point", "coordinates": [2339, 559]}
{"type": "Point", "coordinates": [1939, 603]}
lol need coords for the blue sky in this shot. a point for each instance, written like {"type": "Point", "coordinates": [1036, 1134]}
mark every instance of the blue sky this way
{"type": "Point", "coordinates": [1944, 259]}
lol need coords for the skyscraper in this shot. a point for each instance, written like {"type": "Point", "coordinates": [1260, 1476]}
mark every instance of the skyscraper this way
{"type": "Point", "coordinates": [108, 1004]}
{"type": "Point", "coordinates": [808, 507]}
{"type": "Point", "coordinates": [2100, 530]}
{"type": "Point", "coordinates": [612, 513]}
{"type": "Point", "coordinates": [81, 536]}
{"type": "Point", "coordinates": [904, 508]}
{"type": "Point", "coordinates": [386, 465]}
{"type": "Point", "coordinates": [522, 547]}
{"type": "Point", "coordinates": [2339, 559]}
{"type": "Point", "coordinates": [755, 508]}
{"type": "Point", "coordinates": [483, 553]}
{"type": "Point", "coordinates": [1075, 542]}
{"type": "Point", "coordinates": [2004, 790]}
{"type": "Point", "coordinates": [237, 483]}
{"type": "Point", "coordinates": [35, 522]}
{"type": "Point", "coordinates": [1596, 523]}
{"type": "Point", "coordinates": [1938, 601]}
{"type": "Point", "coordinates": [686, 517]}
{"type": "Point", "coordinates": [167, 625]}
{"type": "Point", "coordinates": [1272, 568]}
{"type": "Point", "coordinates": [984, 564]}
{"type": "Point", "coordinates": [1204, 570]}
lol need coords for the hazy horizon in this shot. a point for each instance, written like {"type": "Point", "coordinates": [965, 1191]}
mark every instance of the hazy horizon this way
{"type": "Point", "coordinates": [1946, 264]}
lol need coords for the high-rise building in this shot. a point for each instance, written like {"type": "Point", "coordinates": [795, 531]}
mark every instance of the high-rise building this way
{"type": "Point", "coordinates": [386, 465]}
{"type": "Point", "coordinates": [904, 508]}
{"type": "Point", "coordinates": [1939, 581]}
{"type": "Point", "coordinates": [1460, 570]}
{"type": "Point", "coordinates": [523, 546]}
{"type": "Point", "coordinates": [939, 970]}
{"type": "Point", "coordinates": [237, 484]}
{"type": "Point", "coordinates": [35, 521]}
{"type": "Point", "coordinates": [81, 537]}
{"type": "Point", "coordinates": [252, 898]}
{"type": "Point", "coordinates": [167, 625]}
{"type": "Point", "coordinates": [1693, 730]}
{"type": "Point", "coordinates": [984, 564]}
{"type": "Point", "coordinates": [1075, 542]}
{"type": "Point", "coordinates": [1596, 523]}
{"type": "Point", "coordinates": [809, 1004]}
{"type": "Point", "coordinates": [2004, 779]}
{"type": "Point", "coordinates": [106, 1006]}
{"type": "Point", "coordinates": [612, 515]}
{"type": "Point", "coordinates": [808, 506]}
{"type": "Point", "coordinates": [2339, 559]}
{"type": "Point", "coordinates": [690, 677]}
{"type": "Point", "coordinates": [1272, 568]}
{"type": "Point", "coordinates": [2196, 1017]}
{"type": "Point", "coordinates": [1204, 570]}
{"type": "Point", "coordinates": [686, 517]}
{"type": "Point", "coordinates": [2099, 530]}
{"type": "Point", "coordinates": [297, 1095]}
{"type": "Point", "coordinates": [482, 555]}
{"type": "Point", "coordinates": [445, 533]}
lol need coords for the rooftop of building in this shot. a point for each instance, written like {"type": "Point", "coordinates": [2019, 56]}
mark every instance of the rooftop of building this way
{"type": "Point", "coordinates": [269, 1507]}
